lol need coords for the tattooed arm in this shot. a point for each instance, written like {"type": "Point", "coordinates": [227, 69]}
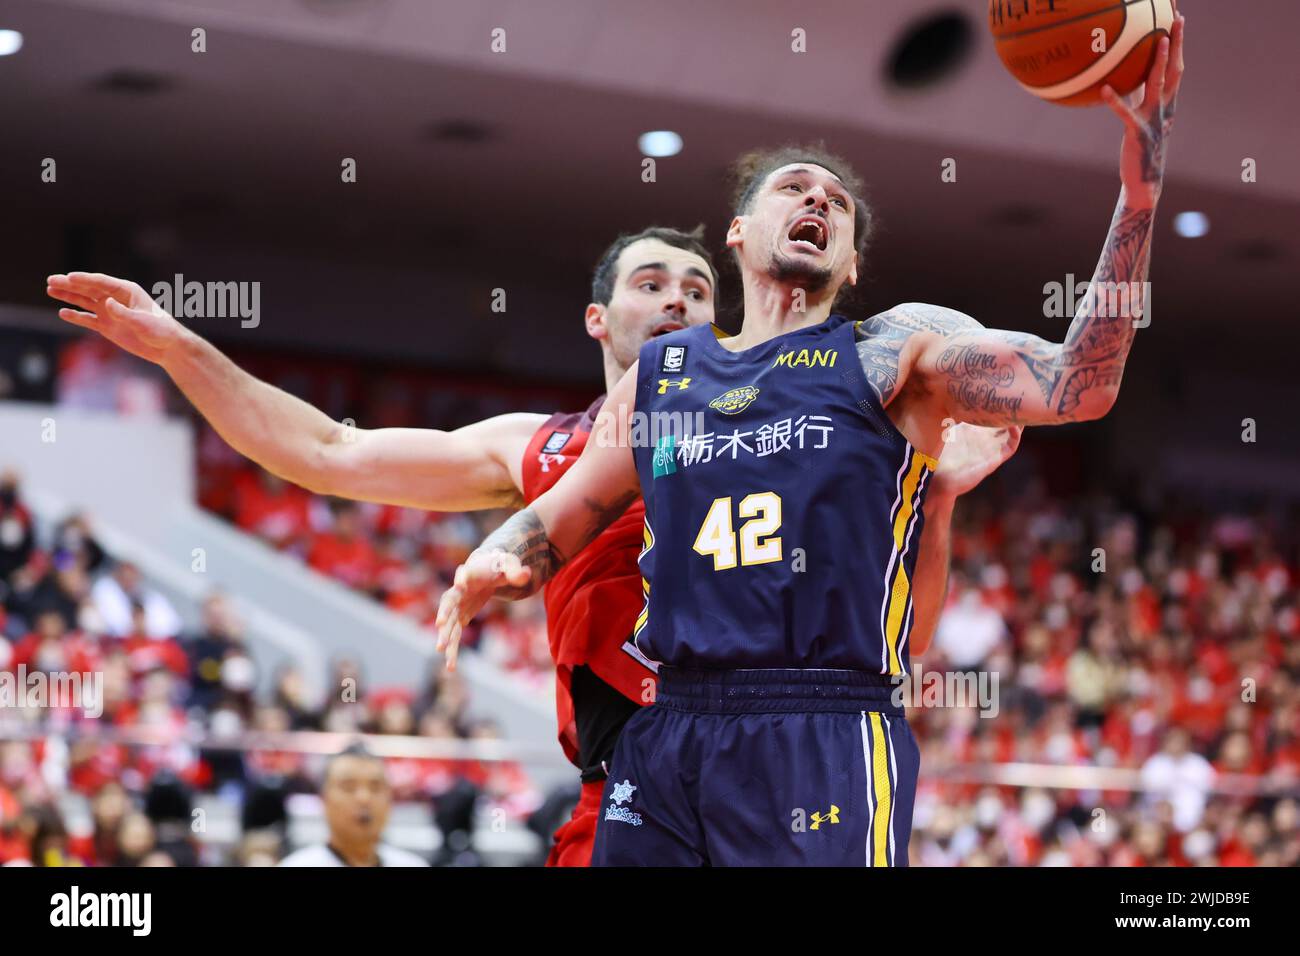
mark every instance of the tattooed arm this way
{"type": "Point", "coordinates": [993, 377]}
{"type": "Point", "coordinates": [525, 552]}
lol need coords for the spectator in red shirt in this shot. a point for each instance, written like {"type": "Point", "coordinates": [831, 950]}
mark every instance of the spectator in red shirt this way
{"type": "Point", "coordinates": [343, 552]}
{"type": "Point", "coordinates": [50, 648]}
{"type": "Point", "coordinates": [148, 653]}
{"type": "Point", "coordinates": [271, 508]}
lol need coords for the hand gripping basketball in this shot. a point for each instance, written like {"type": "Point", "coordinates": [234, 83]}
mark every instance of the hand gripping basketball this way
{"type": "Point", "coordinates": [1148, 121]}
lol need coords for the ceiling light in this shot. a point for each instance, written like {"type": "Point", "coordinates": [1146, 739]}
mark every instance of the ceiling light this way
{"type": "Point", "coordinates": [660, 142]}
{"type": "Point", "coordinates": [1191, 225]}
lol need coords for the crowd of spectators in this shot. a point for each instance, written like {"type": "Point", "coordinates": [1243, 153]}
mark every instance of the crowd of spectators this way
{"type": "Point", "coordinates": [401, 557]}
{"type": "Point", "coordinates": [67, 607]}
{"type": "Point", "coordinates": [1162, 640]}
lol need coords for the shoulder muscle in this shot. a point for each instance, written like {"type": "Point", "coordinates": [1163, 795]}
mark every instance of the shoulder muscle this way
{"type": "Point", "coordinates": [886, 341]}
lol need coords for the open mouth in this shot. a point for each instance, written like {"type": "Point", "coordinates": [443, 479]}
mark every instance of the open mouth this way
{"type": "Point", "coordinates": [809, 232]}
{"type": "Point", "coordinates": [663, 328]}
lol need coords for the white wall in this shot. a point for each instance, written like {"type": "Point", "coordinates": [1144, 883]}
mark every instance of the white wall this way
{"type": "Point", "coordinates": [133, 473]}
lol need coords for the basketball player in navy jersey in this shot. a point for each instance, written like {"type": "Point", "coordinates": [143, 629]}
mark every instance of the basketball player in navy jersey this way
{"type": "Point", "coordinates": [785, 495]}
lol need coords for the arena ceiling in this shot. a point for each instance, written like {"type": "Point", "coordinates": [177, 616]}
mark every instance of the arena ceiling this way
{"type": "Point", "coordinates": [524, 163]}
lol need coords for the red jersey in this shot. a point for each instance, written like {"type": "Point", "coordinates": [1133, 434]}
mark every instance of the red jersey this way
{"type": "Point", "coordinates": [593, 601]}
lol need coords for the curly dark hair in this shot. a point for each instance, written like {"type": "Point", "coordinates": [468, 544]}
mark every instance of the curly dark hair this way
{"type": "Point", "coordinates": [750, 171]}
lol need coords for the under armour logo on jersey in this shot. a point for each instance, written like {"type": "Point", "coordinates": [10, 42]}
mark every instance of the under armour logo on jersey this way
{"type": "Point", "coordinates": [678, 383]}
{"type": "Point", "coordinates": [818, 819]}
{"type": "Point", "coordinates": [674, 358]}
{"type": "Point", "coordinates": [546, 461]}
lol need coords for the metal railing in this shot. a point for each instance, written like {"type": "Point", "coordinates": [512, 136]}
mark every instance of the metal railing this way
{"type": "Point", "coordinates": [305, 742]}
{"type": "Point", "coordinates": [1018, 774]}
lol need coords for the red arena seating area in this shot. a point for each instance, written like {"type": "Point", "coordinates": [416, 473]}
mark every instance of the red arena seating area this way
{"type": "Point", "coordinates": [1168, 675]}
{"type": "Point", "coordinates": [69, 607]}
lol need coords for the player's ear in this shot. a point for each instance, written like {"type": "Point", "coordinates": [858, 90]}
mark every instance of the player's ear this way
{"type": "Point", "coordinates": [734, 232]}
{"type": "Point", "coordinates": [852, 277]}
{"type": "Point", "coordinates": [595, 319]}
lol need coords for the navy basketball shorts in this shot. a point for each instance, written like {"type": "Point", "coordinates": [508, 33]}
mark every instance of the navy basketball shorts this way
{"type": "Point", "coordinates": [762, 768]}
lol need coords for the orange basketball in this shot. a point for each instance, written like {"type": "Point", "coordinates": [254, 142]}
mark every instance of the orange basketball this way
{"type": "Point", "coordinates": [1065, 51]}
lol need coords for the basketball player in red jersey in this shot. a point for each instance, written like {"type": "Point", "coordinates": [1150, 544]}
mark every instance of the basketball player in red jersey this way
{"type": "Point", "coordinates": [646, 284]}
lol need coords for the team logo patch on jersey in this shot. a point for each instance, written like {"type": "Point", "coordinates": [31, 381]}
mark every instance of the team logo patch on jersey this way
{"type": "Point", "coordinates": [681, 384]}
{"type": "Point", "coordinates": [735, 401]}
{"type": "Point", "coordinates": [674, 358]}
{"type": "Point", "coordinates": [556, 442]}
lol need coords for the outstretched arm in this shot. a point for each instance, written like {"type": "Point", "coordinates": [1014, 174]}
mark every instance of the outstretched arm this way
{"type": "Point", "coordinates": [525, 552]}
{"type": "Point", "coordinates": [473, 467]}
{"type": "Point", "coordinates": [971, 453]}
{"type": "Point", "coordinates": [993, 377]}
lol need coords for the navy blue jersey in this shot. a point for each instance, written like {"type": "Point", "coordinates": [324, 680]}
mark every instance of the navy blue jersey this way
{"type": "Point", "coordinates": [783, 507]}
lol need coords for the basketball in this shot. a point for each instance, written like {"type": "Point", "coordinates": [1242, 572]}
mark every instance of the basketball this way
{"type": "Point", "coordinates": [1065, 51]}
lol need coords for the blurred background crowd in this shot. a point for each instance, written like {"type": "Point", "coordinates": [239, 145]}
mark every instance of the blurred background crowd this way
{"type": "Point", "coordinates": [1144, 633]}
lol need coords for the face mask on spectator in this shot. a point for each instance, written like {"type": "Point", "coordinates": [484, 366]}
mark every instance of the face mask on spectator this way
{"type": "Point", "coordinates": [50, 657]}
{"type": "Point", "coordinates": [89, 619]}
{"type": "Point", "coordinates": [226, 723]}
{"type": "Point", "coordinates": [11, 533]}
{"type": "Point", "coordinates": [238, 674]}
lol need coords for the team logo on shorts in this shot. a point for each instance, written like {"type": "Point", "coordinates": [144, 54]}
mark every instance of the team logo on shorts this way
{"type": "Point", "coordinates": [622, 794]}
{"type": "Point", "coordinates": [623, 815]}
{"type": "Point", "coordinates": [735, 401]}
{"type": "Point", "coordinates": [556, 442]}
{"type": "Point", "coordinates": [674, 358]}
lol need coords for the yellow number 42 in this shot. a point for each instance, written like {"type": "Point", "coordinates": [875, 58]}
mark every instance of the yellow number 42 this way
{"type": "Point", "coordinates": [755, 544]}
